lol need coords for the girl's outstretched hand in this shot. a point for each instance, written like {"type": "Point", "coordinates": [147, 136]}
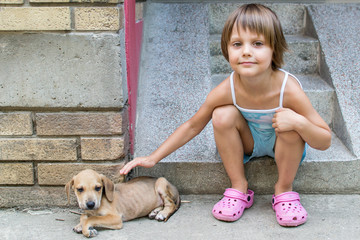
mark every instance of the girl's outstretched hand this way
{"type": "Point", "coordinates": [146, 162]}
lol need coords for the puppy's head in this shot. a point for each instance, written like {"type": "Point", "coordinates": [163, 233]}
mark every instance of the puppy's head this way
{"type": "Point", "coordinates": [89, 187]}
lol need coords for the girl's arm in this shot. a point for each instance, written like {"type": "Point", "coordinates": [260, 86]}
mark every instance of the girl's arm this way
{"type": "Point", "coordinates": [186, 132]}
{"type": "Point", "coordinates": [300, 116]}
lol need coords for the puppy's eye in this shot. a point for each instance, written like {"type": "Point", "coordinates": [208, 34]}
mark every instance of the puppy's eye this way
{"type": "Point", "coordinates": [97, 189]}
{"type": "Point", "coordinates": [80, 190]}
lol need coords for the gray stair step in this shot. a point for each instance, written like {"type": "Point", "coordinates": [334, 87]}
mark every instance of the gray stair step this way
{"type": "Point", "coordinates": [175, 78]}
{"type": "Point", "coordinates": [320, 93]}
{"type": "Point", "coordinates": [301, 58]}
{"type": "Point", "coordinates": [291, 16]}
{"type": "Point", "coordinates": [321, 172]}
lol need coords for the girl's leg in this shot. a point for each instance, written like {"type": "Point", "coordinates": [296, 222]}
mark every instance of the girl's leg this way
{"type": "Point", "coordinates": [233, 138]}
{"type": "Point", "coordinates": [289, 148]}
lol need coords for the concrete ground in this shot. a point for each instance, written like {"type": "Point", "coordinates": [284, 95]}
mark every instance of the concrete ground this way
{"type": "Point", "coordinates": [330, 217]}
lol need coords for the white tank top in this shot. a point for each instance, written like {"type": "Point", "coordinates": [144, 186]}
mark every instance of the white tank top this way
{"type": "Point", "coordinates": [261, 119]}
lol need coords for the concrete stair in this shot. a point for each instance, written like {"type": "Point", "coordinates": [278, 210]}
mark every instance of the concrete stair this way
{"type": "Point", "coordinates": [182, 62]}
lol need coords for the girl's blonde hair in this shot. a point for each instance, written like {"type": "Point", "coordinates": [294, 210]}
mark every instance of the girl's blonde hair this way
{"type": "Point", "coordinates": [261, 20]}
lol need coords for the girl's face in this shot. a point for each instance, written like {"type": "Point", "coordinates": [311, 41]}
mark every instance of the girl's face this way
{"type": "Point", "coordinates": [249, 53]}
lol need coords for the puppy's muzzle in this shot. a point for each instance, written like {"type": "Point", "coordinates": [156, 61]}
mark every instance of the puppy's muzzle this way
{"type": "Point", "coordinates": [90, 205]}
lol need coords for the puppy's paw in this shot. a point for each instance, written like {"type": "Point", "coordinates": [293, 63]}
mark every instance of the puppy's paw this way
{"type": "Point", "coordinates": [160, 217]}
{"type": "Point", "coordinates": [153, 214]}
{"type": "Point", "coordinates": [78, 228]}
{"type": "Point", "coordinates": [91, 232]}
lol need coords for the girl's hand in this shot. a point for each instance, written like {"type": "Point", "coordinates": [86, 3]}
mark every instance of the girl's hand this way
{"type": "Point", "coordinates": [285, 120]}
{"type": "Point", "coordinates": [146, 162]}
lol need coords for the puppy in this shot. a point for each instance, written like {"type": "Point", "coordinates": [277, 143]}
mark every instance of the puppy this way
{"type": "Point", "coordinates": [107, 205]}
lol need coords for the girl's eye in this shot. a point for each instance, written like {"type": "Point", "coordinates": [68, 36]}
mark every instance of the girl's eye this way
{"type": "Point", "coordinates": [237, 44]}
{"type": "Point", "coordinates": [258, 44]}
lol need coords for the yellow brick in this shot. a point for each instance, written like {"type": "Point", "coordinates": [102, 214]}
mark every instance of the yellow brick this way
{"type": "Point", "coordinates": [75, 1]}
{"type": "Point", "coordinates": [16, 173]}
{"type": "Point", "coordinates": [34, 196]}
{"type": "Point", "coordinates": [139, 11]}
{"type": "Point", "coordinates": [38, 149]}
{"type": "Point", "coordinates": [61, 173]}
{"type": "Point", "coordinates": [11, 1]}
{"type": "Point", "coordinates": [80, 123]}
{"type": "Point", "coordinates": [15, 124]}
{"type": "Point", "coordinates": [35, 18]}
{"type": "Point", "coordinates": [50, 1]}
{"type": "Point", "coordinates": [102, 148]}
{"type": "Point", "coordinates": [89, 19]}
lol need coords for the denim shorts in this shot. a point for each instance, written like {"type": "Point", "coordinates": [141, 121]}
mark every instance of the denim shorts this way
{"type": "Point", "coordinates": [264, 143]}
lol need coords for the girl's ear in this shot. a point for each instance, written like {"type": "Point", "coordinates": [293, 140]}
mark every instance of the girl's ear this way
{"type": "Point", "coordinates": [109, 188]}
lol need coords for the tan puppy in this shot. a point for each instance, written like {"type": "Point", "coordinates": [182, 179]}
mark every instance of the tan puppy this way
{"type": "Point", "coordinates": [108, 205]}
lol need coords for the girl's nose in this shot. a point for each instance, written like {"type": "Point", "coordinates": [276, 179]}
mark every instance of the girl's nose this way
{"type": "Point", "coordinates": [246, 50]}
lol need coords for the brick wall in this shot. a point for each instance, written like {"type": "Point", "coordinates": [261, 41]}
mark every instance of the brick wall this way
{"type": "Point", "coordinates": [62, 96]}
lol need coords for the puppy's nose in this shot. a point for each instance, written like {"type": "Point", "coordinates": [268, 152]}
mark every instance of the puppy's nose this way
{"type": "Point", "coordinates": [90, 205]}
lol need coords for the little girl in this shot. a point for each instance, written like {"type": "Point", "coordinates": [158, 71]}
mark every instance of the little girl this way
{"type": "Point", "coordinates": [258, 110]}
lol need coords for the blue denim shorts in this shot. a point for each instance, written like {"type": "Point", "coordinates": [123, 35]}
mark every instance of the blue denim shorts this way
{"type": "Point", "coordinates": [264, 143]}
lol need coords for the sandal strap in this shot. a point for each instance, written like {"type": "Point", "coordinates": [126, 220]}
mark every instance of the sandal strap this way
{"type": "Point", "coordinates": [233, 193]}
{"type": "Point", "coordinates": [285, 197]}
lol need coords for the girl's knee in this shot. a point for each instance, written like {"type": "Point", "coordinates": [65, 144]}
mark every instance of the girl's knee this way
{"type": "Point", "coordinates": [224, 117]}
{"type": "Point", "coordinates": [290, 137]}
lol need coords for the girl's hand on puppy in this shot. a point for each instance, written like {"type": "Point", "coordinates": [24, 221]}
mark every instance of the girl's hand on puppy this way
{"type": "Point", "coordinates": [146, 162]}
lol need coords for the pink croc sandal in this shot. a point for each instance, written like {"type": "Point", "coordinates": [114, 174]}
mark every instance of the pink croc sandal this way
{"type": "Point", "coordinates": [288, 209]}
{"type": "Point", "coordinates": [232, 205]}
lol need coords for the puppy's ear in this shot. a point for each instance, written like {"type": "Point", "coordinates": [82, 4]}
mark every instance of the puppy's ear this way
{"type": "Point", "coordinates": [67, 189]}
{"type": "Point", "coordinates": [109, 188]}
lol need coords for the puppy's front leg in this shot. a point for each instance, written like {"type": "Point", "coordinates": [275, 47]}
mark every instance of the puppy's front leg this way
{"type": "Point", "coordinates": [78, 228]}
{"type": "Point", "coordinates": [108, 221]}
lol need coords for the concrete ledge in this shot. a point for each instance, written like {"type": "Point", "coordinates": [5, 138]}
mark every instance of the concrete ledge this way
{"type": "Point", "coordinates": [332, 171]}
{"type": "Point", "coordinates": [60, 71]}
{"type": "Point", "coordinates": [210, 178]}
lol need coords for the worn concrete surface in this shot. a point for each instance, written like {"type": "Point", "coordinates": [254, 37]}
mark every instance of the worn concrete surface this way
{"type": "Point", "coordinates": [334, 217]}
{"type": "Point", "coordinates": [337, 27]}
{"type": "Point", "coordinates": [174, 77]}
{"type": "Point", "coordinates": [60, 70]}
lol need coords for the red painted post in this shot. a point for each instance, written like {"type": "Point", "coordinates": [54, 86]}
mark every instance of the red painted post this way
{"type": "Point", "coordinates": [133, 37]}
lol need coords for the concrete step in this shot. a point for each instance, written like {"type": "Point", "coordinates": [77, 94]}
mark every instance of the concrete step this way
{"type": "Point", "coordinates": [291, 16]}
{"type": "Point", "coordinates": [175, 78]}
{"type": "Point", "coordinates": [320, 172]}
{"type": "Point", "coordinates": [302, 56]}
